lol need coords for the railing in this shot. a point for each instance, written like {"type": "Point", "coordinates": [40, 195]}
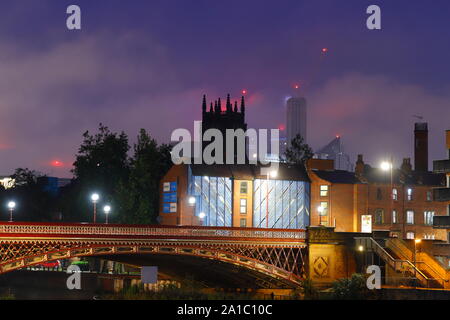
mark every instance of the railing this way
{"type": "Point", "coordinates": [441, 166]}
{"type": "Point", "coordinates": [10, 228]}
{"type": "Point", "coordinates": [441, 194]}
{"type": "Point", "coordinates": [396, 264]}
{"type": "Point", "coordinates": [441, 222]}
{"type": "Point", "coordinates": [402, 249]}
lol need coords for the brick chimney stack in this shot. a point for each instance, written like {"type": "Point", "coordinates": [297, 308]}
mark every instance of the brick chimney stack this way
{"type": "Point", "coordinates": [359, 168]}
{"type": "Point", "coordinates": [406, 166]}
{"type": "Point", "coordinates": [421, 146]}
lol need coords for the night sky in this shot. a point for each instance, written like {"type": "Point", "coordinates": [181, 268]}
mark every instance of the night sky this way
{"type": "Point", "coordinates": [145, 64]}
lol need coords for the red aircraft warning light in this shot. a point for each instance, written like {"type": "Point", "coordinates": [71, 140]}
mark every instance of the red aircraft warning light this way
{"type": "Point", "coordinates": [324, 50]}
{"type": "Point", "coordinates": [244, 91]}
{"type": "Point", "coordinates": [56, 163]}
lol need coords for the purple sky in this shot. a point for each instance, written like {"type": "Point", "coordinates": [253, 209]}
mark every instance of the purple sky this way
{"type": "Point", "coordinates": [146, 64]}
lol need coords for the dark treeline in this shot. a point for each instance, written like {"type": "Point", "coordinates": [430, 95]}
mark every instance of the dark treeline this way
{"type": "Point", "coordinates": [103, 165]}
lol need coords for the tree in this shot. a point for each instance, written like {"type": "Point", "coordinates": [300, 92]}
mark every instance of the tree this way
{"type": "Point", "coordinates": [101, 165]}
{"type": "Point", "coordinates": [298, 152]}
{"type": "Point", "coordinates": [139, 195]}
{"type": "Point", "coordinates": [34, 202]}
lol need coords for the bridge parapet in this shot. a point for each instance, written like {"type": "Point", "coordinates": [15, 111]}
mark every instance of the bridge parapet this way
{"type": "Point", "coordinates": [102, 230]}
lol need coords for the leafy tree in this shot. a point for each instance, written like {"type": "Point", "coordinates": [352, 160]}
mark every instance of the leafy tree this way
{"type": "Point", "coordinates": [34, 202]}
{"type": "Point", "coordinates": [298, 152]}
{"type": "Point", "coordinates": [101, 165]}
{"type": "Point", "coordinates": [139, 195]}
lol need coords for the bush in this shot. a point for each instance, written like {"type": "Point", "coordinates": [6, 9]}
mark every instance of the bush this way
{"type": "Point", "coordinates": [354, 288]}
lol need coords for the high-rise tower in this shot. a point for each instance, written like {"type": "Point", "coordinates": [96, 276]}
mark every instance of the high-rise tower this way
{"type": "Point", "coordinates": [296, 118]}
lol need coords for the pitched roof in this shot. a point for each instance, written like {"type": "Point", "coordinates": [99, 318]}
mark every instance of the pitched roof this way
{"type": "Point", "coordinates": [249, 171]}
{"type": "Point", "coordinates": [337, 176]}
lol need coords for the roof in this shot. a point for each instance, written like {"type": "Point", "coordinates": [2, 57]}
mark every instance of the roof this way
{"type": "Point", "coordinates": [337, 176]}
{"type": "Point", "coordinates": [376, 175]}
{"type": "Point", "coordinates": [250, 171]}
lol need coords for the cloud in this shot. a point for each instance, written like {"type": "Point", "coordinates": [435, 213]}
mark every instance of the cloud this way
{"type": "Point", "coordinates": [49, 97]}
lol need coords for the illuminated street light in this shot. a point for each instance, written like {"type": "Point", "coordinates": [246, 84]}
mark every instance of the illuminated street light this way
{"type": "Point", "coordinates": [107, 210]}
{"type": "Point", "coordinates": [360, 248]}
{"type": "Point", "coordinates": [95, 197]}
{"type": "Point", "coordinates": [202, 215]}
{"type": "Point", "coordinates": [385, 166]}
{"type": "Point", "coordinates": [191, 201]}
{"type": "Point", "coordinates": [273, 173]}
{"type": "Point", "coordinates": [320, 209]}
{"type": "Point", "coordinates": [11, 205]}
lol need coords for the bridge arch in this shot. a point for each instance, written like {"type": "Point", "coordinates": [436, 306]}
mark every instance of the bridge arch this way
{"type": "Point", "coordinates": [276, 253]}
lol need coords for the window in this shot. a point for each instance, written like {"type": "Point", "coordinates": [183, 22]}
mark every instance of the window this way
{"type": "Point", "coordinates": [323, 191]}
{"type": "Point", "coordinates": [409, 193]}
{"type": "Point", "coordinates": [394, 216]}
{"type": "Point", "coordinates": [243, 223]}
{"type": "Point", "coordinates": [379, 194]}
{"type": "Point", "coordinates": [243, 206]}
{"type": "Point", "coordinates": [324, 208]}
{"type": "Point", "coordinates": [379, 216]}
{"type": "Point", "coordinates": [410, 217]}
{"type": "Point", "coordinates": [394, 194]}
{"type": "Point", "coordinates": [429, 195]}
{"type": "Point", "coordinates": [428, 218]}
{"type": "Point", "coordinates": [244, 187]}
{"type": "Point", "coordinates": [410, 235]}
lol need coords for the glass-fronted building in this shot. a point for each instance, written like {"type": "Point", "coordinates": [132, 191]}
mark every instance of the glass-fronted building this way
{"type": "Point", "coordinates": [238, 196]}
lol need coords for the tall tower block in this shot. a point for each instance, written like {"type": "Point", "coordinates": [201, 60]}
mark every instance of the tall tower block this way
{"type": "Point", "coordinates": [296, 118]}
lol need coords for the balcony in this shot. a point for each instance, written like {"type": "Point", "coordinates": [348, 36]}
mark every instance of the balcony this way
{"type": "Point", "coordinates": [441, 166]}
{"type": "Point", "coordinates": [441, 222]}
{"type": "Point", "coordinates": [441, 194]}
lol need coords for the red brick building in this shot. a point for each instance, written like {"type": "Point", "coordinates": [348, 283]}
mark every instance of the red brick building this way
{"type": "Point", "coordinates": [399, 200]}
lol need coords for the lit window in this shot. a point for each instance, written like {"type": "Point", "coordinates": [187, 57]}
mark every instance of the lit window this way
{"type": "Point", "coordinates": [243, 206]}
{"type": "Point", "coordinates": [394, 216]}
{"type": "Point", "coordinates": [323, 191]}
{"type": "Point", "coordinates": [379, 216]}
{"type": "Point", "coordinates": [243, 222]}
{"type": "Point", "coordinates": [429, 196]}
{"type": "Point", "coordinates": [410, 217]}
{"type": "Point", "coordinates": [428, 218]}
{"type": "Point", "coordinates": [244, 187]}
{"type": "Point", "coordinates": [409, 193]}
{"type": "Point", "coordinates": [394, 194]}
{"type": "Point", "coordinates": [410, 235]}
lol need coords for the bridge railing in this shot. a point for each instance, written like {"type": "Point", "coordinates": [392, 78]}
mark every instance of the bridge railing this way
{"type": "Point", "coordinates": [84, 229]}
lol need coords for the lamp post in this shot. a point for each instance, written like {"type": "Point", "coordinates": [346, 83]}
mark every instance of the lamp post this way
{"type": "Point", "coordinates": [107, 210]}
{"type": "Point", "coordinates": [11, 206]}
{"type": "Point", "coordinates": [272, 174]}
{"type": "Point", "coordinates": [416, 242]}
{"type": "Point", "coordinates": [94, 198]}
{"type": "Point", "coordinates": [385, 166]}
{"type": "Point", "coordinates": [320, 209]}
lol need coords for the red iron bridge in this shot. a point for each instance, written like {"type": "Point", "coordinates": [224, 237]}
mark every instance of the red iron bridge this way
{"type": "Point", "coordinates": [277, 253]}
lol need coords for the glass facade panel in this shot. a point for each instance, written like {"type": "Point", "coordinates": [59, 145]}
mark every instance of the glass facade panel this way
{"type": "Point", "coordinates": [287, 206]}
{"type": "Point", "coordinates": [214, 199]}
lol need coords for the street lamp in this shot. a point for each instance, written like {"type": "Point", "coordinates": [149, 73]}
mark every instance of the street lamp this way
{"type": "Point", "coordinates": [191, 201]}
{"type": "Point", "coordinates": [320, 209]}
{"type": "Point", "coordinates": [107, 210]}
{"type": "Point", "coordinates": [388, 166]}
{"type": "Point", "coordinates": [272, 174]}
{"type": "Point", "coordinates": [11, 206]}
{"type": "Point", "coordinates": [94, 198]}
